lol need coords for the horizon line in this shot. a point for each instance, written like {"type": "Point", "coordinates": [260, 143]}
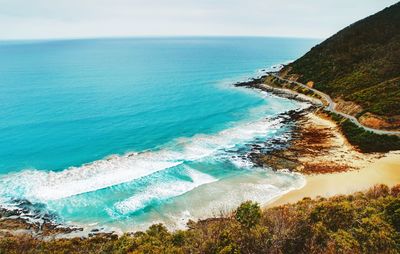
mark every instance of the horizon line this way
{"type": "Point", "coordinates": [155, 36]}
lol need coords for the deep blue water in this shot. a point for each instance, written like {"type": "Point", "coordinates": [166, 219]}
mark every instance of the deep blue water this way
{"type": "Point", "coordinates": [163, 107]}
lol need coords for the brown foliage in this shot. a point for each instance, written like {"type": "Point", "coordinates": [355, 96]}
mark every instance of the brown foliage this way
{"type": "Point", "coordinates": [365, 222]}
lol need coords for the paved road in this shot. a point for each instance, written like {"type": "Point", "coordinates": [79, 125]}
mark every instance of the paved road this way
{"type": "Point", "coordinates": [331, 107]}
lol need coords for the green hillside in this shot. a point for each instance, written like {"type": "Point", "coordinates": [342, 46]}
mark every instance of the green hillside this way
{"type": "Point", "coordinates": [361, 63]}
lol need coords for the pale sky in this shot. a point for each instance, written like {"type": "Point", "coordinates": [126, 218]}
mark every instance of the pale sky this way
{"type": "Point", "coordinates": [38, 19]}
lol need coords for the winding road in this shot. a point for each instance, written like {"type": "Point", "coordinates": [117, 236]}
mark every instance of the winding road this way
{"type": "Point", "coordinates": [331, 107]}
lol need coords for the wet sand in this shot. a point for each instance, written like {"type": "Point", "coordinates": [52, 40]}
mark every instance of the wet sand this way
{"type": "Point", "coordinates": [385, 170]}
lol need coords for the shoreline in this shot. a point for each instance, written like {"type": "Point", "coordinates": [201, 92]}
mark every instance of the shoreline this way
{"type": "Point", "coordinates": [356, 171]}
{"type": "Point", "coordinates": [317, 146]}
{"type": "Point", "coordinates": [385, 170]}
{"type": "Point", "coordinates": [357, 174]}
{"type": "Point", "coordinates": [257, 83]}
{"type": "Point", "coordinates": [20, 220]}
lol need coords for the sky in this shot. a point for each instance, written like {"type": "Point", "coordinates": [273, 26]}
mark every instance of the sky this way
{"type": "Point", "coordinates": [40, 19]}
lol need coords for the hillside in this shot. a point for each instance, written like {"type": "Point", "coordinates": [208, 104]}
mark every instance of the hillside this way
{"type": "Point", "coordinates": [359, 64]}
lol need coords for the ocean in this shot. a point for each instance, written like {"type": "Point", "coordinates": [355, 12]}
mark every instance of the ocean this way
{"type": "Point", "coordinates": [123, 133]}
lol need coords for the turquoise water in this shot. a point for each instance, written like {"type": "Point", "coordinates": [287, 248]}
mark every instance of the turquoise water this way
{"type": "Point", "coordinates": [121, 132]}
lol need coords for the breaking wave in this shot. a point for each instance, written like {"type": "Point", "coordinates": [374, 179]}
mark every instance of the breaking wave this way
{"type": "Point", "coordinates": [76, 187]}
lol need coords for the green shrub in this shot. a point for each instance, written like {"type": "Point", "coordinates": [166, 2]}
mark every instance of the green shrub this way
{"type": "Point", "coordinates": [365, 141]}
{"type": "Point", "coordinates": [392, 212]}
{"type": "Point", "coordinates": [248, 214]}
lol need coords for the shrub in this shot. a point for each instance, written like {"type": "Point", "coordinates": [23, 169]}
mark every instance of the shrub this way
{"type": "Point", "coordinates": [366, 222]}
{"type": "Point", "coordinates": [248, 214]}
{"type": "Point", "coordinates": [392, 212]}
{"type": "Point", "coordinates": [365, 141]}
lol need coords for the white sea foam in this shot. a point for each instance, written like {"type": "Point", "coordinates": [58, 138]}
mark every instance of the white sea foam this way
{"type": "Point", "coordinates": [37, 185]}
{"type": "Point", "coordinates": [218, 198]}
{"type": "Point", "coordinates": [42, 186]}
{"type": "Point", "coordinates": [162, 191]}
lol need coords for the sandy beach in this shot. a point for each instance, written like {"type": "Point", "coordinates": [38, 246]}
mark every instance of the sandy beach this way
{"type": "Point", "coordinates": [341, 169]}
{"type": "Point", "coordinates": [385, 170]}
{"type": "Point", "coordinates": [319, 151]}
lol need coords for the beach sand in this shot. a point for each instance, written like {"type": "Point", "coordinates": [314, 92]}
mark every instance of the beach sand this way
{"type": "Point", "coordinates": [385, 170]}
{"type": "Point", "coordinates": [319, 151]}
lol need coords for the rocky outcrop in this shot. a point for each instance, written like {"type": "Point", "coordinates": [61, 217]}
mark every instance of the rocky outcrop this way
{"type": "Point", "coordinates": [347, 107]}
{"type": "Point", "coordinates": [25, 218]}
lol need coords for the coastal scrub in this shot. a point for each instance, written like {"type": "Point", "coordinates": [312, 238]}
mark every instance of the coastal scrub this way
{"type": "Point", "coordinates": [364, 222]}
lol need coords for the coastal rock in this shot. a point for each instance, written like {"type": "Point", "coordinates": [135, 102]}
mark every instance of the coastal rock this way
{"type": "Point", "coordinates": [28, 216]}
{"type": "Point", "coordinates": [274, 161]}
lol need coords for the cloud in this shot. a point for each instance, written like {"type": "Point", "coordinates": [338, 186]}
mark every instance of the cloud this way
{"type": "Point", "coordinates": [98, 18]}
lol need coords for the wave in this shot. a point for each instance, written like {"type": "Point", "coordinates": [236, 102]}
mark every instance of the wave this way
{"type": "Point", "coordinates": [215, 198]}
{"type": "Point", "coordinates": [162, 191]}
{"type": "Point", "coordinates": [37, 185]}
{"type": "Point", "coordinates": [121, 185]}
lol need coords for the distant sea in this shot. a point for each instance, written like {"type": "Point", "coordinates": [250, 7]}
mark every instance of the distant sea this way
{"type": "Point", "coordinates": [123, 133]}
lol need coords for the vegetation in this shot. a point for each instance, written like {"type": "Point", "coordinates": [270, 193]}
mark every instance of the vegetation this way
{"type": "Point", "coordinates": [386, 105]}
{"type": "Point", "coordinates": [278, 83]}
{"type": "Point", "coordinates": [359, 63]}
{"type": "Point", "coordinates": [365, 141]}
{"type": "Point", "coordinates": [365, 222]}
